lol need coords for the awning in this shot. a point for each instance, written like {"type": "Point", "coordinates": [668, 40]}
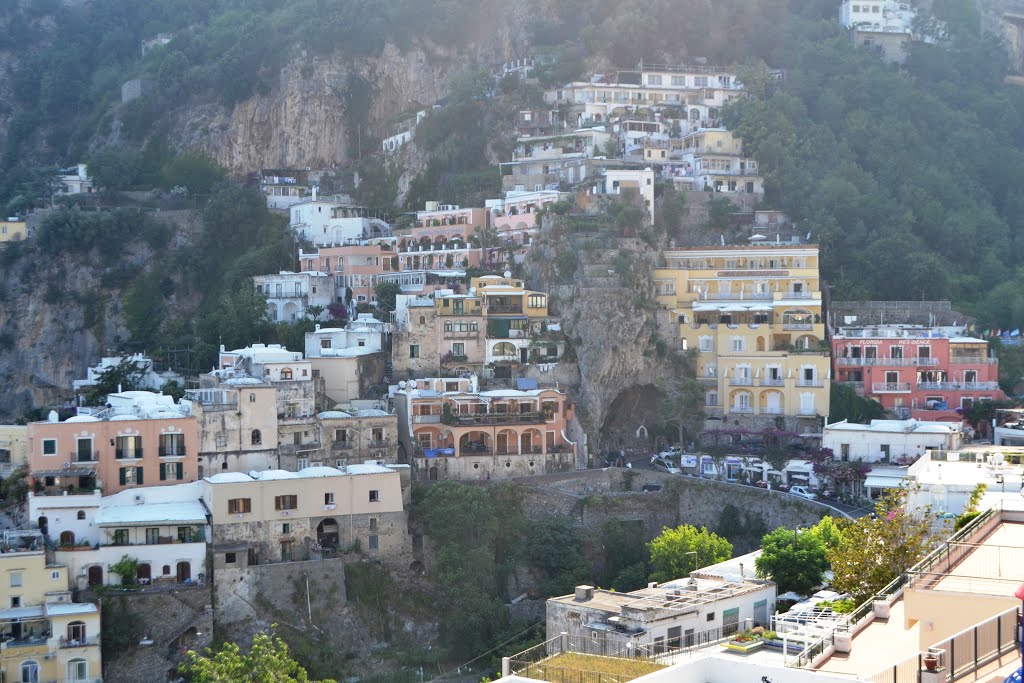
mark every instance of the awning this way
{"type": "Point", "coordinates": [799, 477]}
{"type": "Point", "coordinates": [875, 481]}
{"type": "Point", "coordinates": [72, 472]}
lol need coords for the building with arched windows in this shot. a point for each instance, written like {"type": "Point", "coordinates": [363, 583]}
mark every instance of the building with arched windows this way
{"type": "Point", "coordinates": [754, 316]}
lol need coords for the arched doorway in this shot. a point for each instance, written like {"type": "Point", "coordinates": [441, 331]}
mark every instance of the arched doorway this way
{"type": "Point", "coordinates": [43, 522]}
{"type": "Point", "coordinates": [95, 575]}
{"type": "Point", "coordinates": [144, 573]}
{"type": "Point", "coordinates": [432, 473]}
{"type": "Point", "coordinates": [67, 538]}
{"type": "Point", "coordinates": [184, 572]}
{"type": "Point", "coordinates": [327, 533]}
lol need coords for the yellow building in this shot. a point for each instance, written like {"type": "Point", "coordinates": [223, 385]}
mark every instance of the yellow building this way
{"type": "Point", "coordinates": [13, 448]}
{"type": "Point", "coordinates": [12, 230]}
{"type": "Point", "coordinates": [754, 314]}
{"type": "Point", "coordinates": [43, 635]}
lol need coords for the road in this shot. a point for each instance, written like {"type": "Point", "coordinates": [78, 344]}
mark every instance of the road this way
{"type": "Point", "coordinates": [643, 462]}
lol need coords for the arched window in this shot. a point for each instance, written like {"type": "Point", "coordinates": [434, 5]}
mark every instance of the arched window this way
{"type": "Point", "coordinates": [166, 569]}
{"type": "Point", "coordinates": [447, 325]}
{"type": "Point", "coordinates": [78, 671]}
{"type": "Point", "coordinates": [252, 398]}
{"type": "Point", "coordinates": [286, 373]}
{"type": "Point", "coordinates": [81, 514]}
{"type": "Point", "coordinates": [30, 671]}
{"type": "Point", "coordinates": [76, 632]}
{"type": "Point", "coordinates": [257, 438]}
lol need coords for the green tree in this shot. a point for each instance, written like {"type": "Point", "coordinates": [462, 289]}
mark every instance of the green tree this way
{"type": "Point", "coordinates": [682, 399]}
{"type": "Point", "coordinates": [144, 309]}
{"type": "Point", "coordinates": [386, 293]}
{"type": "Point", "coordinates": [845, 404]}
{"type": "Point", "coordinates": [127, 568]}
{"type": "Point", "coordinates": [555, 547]}
{"type": "Point", "coordinates": [127, 375]}
{"type": "Point", "coordinates": [794, 561]}
{"type": "Point", "coordinates": [15, 491]}
{"type": "Point", "coordinates": [878, 548]}
{"type": "Point", "coordinates": [677, 552]}
{"type": "Point", "coordinates": [195, 171]}
{"type": "Point", "coordinates": [114, 168]}
{"type": "Point", "coordinates": [268, 661]}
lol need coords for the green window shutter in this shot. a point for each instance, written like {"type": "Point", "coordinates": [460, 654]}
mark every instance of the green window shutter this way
{"type": "Point", "coordinates": [138, 476]}
{"type": "Point", "coordinates": [181, 470]}
{"type": "Point", "coordinates": [163, 471]}
{"type": "Point", "coordinates": [121, 476]}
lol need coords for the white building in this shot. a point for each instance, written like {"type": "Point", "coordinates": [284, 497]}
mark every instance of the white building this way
{"type": "Point", "coordinates": [617, 181]}
{"type": "Point", "coordinates": [329, 222]}
{"type": "Point", "coordinates": [75, 180]}
{"type": "Point", "coordinates": [289, 294]}
{"type": "Point", "coordinates": [365, 332]}
{"type": "Point", "coordinates": [163, 527]}
{"type": "Point", "coordinates": [151, 379]}
{"type": "Point", "coordinates": [890, 441]}
{"type": "Point", "coordinates": [883, 16]}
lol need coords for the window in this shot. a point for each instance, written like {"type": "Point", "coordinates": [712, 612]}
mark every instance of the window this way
{"type": "Point", "coordinates": [373, 524]}
{"type": "Point", "coordinates": [286, 373]}
{"type": "Point", "coordinates": [302, 463]}
{"type": "Point", "coordinates": [325, 343]}
{"type": "Point", "coordinates": [700, 81]}
{"type": "Point", "coordinates": [374, 496]}
{"type": "Point", "coordinates": [172, 444]}
{"type": "Point", "coordinates": [286, 502]}
{"type": "Point", "coordinates": [84, 450]}
{"type": "Point", "coordinates": [711, 398]}
{"type": "Point", "coordinates": [130, 475]}
{"type": "Point", "coordinates": [30, 672]}
{"type": "Point", "coordinates": [237, 506]}
{"type": "Point", "coordinates": [679, 80]}
{"type": "Point", "coordinates": [896, 352]}
{"type": "Point", "coordinates": [78, 670]}
{"type": "Point", "coordinates": [81, 514]}
{"type": "Point", "coordinates": [120, 537]}
{"type": "Point", "coordinates": [128, 447]}
{"type": "Point", "coordinates": [174, 471]}
{"type": "Point", "coordinates": [185, 534]}
{"type": "Point", "coordinates": [711, 616]}
{"type": "Point", "coordinates": [536, 301]}
{"type": "Point", "coordinates": [458, 349]}
{"type": "Point", "coordinates": [414, 350]}
{"type": "Point", "coordinates": [15, 579]}
{"type": "Point", "coordinates": [329, 498]}
{"type": "Point", "coordinates": [737, 344]}
{"type": "Point", "coordinates": [287, 551]}
{"type": "Point", "coordinates": [725, 81]}
{"type": "Point", "coordinates": [15, 601]}
{"type": "Point", "coordinates": [374, 543]}
{"type": "Point", "coordinates": [252, 398]}
{"type": "Point", "coordinates": [286, 528]}
{"type": "Point", "coordinates": [654, 80]}
{"type": "Point", "coordinates": [55, 575]}
{"type": "Point", "coordinates": [257, 438]}
{"type": "Point", "coordinates": [707, 344]}
{"type": "Point", "coordinates": [152, 536]}
{"type": "Point", "coordinates": [230, 558]}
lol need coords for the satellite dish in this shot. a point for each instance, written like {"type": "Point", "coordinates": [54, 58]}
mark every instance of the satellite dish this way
{"type": "Point", "coordinates": [508, 273]}
{"type": "Point", "coordinates": [412, 384]}
{"type": "Point", "coordinates": [472, 291]}
{"type": "Point", "coordinates": [401, 385]}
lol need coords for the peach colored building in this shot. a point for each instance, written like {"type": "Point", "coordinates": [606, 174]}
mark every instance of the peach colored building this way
{"type": "Point", "coordinates": [355, 266]}
{"type": "Point", "coordinates": [141, 439]}
{"type": "Point", "coordinates": [515, 217]}
{"type": "Point", "coordinates": [450, 429]}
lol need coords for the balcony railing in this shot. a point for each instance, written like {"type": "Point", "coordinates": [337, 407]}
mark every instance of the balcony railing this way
{"type": "Point", "coordinates": [451, 334]}
{"type": "Point", "coordinates": [797, 326]}
{"type": "Point", "coordinates": [171, 453]}
{"type": "Point", "coordinates": [889, 387]}
{"type": "Point", "coordinates": [378, 443]}
{"type": "Point", "coordinates": [856, 386]}
{"type": "Point", "coordinates": [496, 419]}
{"type": "Point", "coordinates": [741, 410]}
{"type": "Point", "coordinates": [772, 382]}
{"type": "Point", "coordinates": [500, 309]}
{"type": "Point", "coordinates": [426, 419]}
{"type": "Point", "coordinates": [958, 386]}
{"type": "Point", "coordinates": [123, 454]}
{"type": "Point", "coordinates": [973, 360]}
{"type": "Point", "coordinates": [94, 456]}
{"type": "Point", "coordinates": [888, 362]}
{"type": "Point", "coordinates": [809, 383]}
{"type": "Point", "coordinates": [736, 296]}
{"type": "Point", "coordinates": [89, 641]}
{"type": "Point", "coordinates": [741, 381]}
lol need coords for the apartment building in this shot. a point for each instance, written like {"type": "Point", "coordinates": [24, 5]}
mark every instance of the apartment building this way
{"type": "Point", "coordinates": [13, 448]}
{"type": "Point", "coordinates": [13, 230]}
{"type": "Point", "coordinates": [289, 295]}
{"type": "Point", "coordinates": [754, 315]}
{"type": "Point", "coordinates": [164, 528]}
{"type": "Point", "coordinates": [920, 371]}
{"type": "Point", "coordinates": [450, 429]}
{"type": "Point", "coordinates": [44, 636]}
{"type": "Point", "coordinates": [514, 217]}
{"type": "Point", "coordinates": [354, 267]}
{"type": "Point", "coordinates": [335, 221]}
{"type": "Point", "coordinates": [356, 435]}
{"type": "Point", "coordinates": [713, 159]}
{"type": "Point", "coordinates": [546, 162]}
{"type": "Point", "coordinates": [890, 440]}
{"type": "Point", "coordinates": [237, 422]}
{"type": "Point", "coordinates": [139, 439]}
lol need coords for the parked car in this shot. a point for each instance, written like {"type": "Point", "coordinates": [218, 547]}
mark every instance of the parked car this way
{"type": "Point", "coordinates": [666, 465]}
{"type": "Point", "coordinates": [803, 492]}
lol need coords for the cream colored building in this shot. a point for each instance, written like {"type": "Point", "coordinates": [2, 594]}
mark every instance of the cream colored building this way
{"type": "Point", "coordinates": [237, 421]}
{"type": "Point", "coordinates": [43, 635]}
{"type": "Point", "coordinates": [754, 316]}
{"type": "Point", "coordinates": [13, 448]}
{"type": "Point", "coordinates": [13, 230]}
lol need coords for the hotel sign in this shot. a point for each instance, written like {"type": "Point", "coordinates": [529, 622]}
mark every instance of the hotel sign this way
{"type": "Point", "coordinates": [753, 273]}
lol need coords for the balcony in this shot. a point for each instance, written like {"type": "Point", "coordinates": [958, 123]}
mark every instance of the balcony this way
{"type": "Point", "coordinates": [122, 454]}
{"type": "Point", "coordinates": [84, 457]}
{"type": "Point", "coordinates": [973, 360]}
{"type": "Point", "coordinates": [496, 419]}
{"type": "Point", "coordinates": [815, 383]}
{"type": "Point", "coordinates": [856, 386]}
{"type": "Point", "coordinates": [741, 381]}
{"type": "Point", "coordinates": [90, 641]}
{"type": "Point", "coordinates": [741, 410]}
{"type": "Point", "coordinates": [711, 380]}
{"type": "Point", "coordinates": [958, 386]}
{"type": "Point", "coordinates": [800, 327]}
{"type": "Point", "coordinates": [378, 443]}
{"type": "Point", "coordinates": [426, 419]}
{"type": "Point", "coordinates": [295, 448]}
{"type": "Point", "coordinates": [771, 411]}
{"type": "Point", "coordinates": [796, 295]}
{"type": "Point", "coordinates": [736, 296]}
{"type": "Point", "coordinates": [890, 387]}
{"type": "Point", "coordinates": [504, 309]}
{"type": "Point", "coordinates": [773, 382]}
{"type": "Point", "coordinates": [887, 362]}
{"type": "Point", "coordinates": [343, 445]}
{"type": "Point", "coordinates": [172, 453]}
{"type": "Point", "coordinates": [475, 334]}
{"type": "Point", "coordinates": [285, 295]}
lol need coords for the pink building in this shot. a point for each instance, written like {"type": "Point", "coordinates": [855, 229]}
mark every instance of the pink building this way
{"type": "Point", "coordinates": [142, 439]}
{"type": "Point", "coordinates": [916, 371]}
{"type": "Point", "coordinates": [515, 217]}
{"type": "Point", "coordinates": [355, 266]}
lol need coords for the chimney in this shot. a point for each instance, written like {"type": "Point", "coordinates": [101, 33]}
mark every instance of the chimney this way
{"type": "Point", "coordinates": [314, 193]}
{"type": "Point", "coordinates": [584, 593]}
